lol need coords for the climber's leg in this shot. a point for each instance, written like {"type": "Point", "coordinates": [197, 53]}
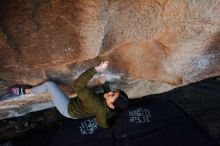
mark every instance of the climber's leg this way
{"type": "Point", "coordinates": [59, 98]}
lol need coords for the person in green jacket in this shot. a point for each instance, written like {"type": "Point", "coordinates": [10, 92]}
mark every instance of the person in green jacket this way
{"type": "Point", "coordinates": [87, 103]}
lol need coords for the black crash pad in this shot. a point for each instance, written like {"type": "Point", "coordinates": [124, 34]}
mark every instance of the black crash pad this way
{"type": "Point", "coordinates": [148, 123]}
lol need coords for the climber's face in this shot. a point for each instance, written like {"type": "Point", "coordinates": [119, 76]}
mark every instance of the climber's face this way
{"type": "Point", "coordinates": [110, 98]}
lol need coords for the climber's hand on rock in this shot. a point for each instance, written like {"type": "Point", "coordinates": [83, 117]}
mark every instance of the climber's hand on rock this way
{"type": "Point", "coordinates": [102, 66]}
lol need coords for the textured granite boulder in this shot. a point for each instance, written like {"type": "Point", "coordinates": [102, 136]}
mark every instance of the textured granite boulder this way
{"type": "Point", "coordinates": [152, 45]}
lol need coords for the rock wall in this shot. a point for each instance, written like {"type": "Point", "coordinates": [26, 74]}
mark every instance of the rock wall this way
{"type": "Point", "coordinates": [155, 45]}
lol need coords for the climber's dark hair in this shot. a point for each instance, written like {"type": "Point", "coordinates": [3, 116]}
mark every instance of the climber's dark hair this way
{"type": "Point", "coordinates": [121, 103]}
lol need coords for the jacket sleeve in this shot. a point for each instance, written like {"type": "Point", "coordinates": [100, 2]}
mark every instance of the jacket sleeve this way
{"type": "Point", "coordinates": [80, 84]}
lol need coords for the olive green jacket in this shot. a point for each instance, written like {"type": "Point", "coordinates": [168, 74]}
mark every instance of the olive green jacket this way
{"type": "Point", "coordinates": [88, 104]}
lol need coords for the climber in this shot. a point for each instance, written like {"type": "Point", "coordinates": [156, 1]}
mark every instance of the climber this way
{"type": "Point", "coordinates": [87, 103]}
